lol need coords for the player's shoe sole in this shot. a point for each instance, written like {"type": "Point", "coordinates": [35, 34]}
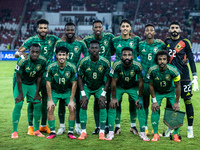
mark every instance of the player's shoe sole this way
{"type": "Point", "coordinates": [14, 135]}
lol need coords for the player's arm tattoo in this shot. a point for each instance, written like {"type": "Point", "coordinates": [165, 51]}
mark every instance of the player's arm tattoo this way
{"type": "Point", "coordinates": [178, 91]}
{"type": "Point", "coordinates": [74, 86]}
{"type": "Point", "coordinates": [141, 86]}
{"type": "Point", "coordinates": [113, 87]}
{"type": "Point", "coordinates": [48, 86]}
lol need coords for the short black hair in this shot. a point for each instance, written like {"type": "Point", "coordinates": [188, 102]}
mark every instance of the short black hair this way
{"type": "Point", "coordinates": [127, 49]}
{"type": "Point", "coordinates": [42, 21]}
{"type": "Point", "coordinates": [97, 21]}
{"type": "Point", "coordinates": [94, 41]}
{"type": "Point", "coordinates": [70, 24]}
{"type": "Point", "coordinates": [125, 21]}
{"type": "Point", "coordinates": [62, 49]}
{"type": "Point", "coordinates": [162, 52]}
{"type": "Point", "coordinates": [149, 24]}
{"type": "Point", "coordinates": [174, 23]}
{"type": "Point", "coordinates": [34, 45]}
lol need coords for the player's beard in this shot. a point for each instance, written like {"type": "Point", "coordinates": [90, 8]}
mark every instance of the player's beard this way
{"type": "Point", "coordinates": [174, 35]}
{"type": "Point", "coordinates": [43, 35]}
{"type": "Point", "coordinates": [69, 37]}
{"type": "Point", "coordinates": [162, 65]}
{"type": "Point", "coordinates": [127, 62]}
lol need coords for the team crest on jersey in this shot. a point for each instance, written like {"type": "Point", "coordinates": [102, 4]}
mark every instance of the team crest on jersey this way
{"type": "Point", "coordinates": [131, 44]}
{"type": "Point", "coordinates": [49, 42]}
{"type": "Point", "coordinates": [27, 68]}
{"type": "Point", "coordinates": [127, 79]}
{"type": "Point", "coordinates": [67, 74]}
{"type": "Point", "coordinates": [132, 73]}
{"type": "Point", "coordinates": [155, 49]}
{"type": "Point", "coordinates": [178, 46]}
{"type": "Point", "coordinates": [168, 77]}
{"type": "Point", "coordinates": [100, 68]}
{"type": "Point", "coordinates": [38, 67]}
{"type": "Point", "coordinates": [119, 45]}
{"type": "Point", "coordinates": [105, 42]}
{"type": "Point", "coordinates": [76, 49]}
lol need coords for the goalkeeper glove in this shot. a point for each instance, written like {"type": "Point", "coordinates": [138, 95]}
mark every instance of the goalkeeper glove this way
{"type": "Point", "coordinates": [195, 83]}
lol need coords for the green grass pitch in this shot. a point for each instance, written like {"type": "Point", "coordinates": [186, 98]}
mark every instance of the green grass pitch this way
{"type": "Point", "coordinates": [126, 140]}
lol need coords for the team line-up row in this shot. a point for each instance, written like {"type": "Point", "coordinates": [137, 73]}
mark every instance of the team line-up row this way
{"type": "Point", "coordinates": [161, 72]}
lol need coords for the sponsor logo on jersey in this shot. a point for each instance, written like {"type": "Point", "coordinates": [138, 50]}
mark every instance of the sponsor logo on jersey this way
{"type": "Point", "coordinates": [132, 73]}
{"type": "Point", "coordinates": [56, 74]}
{"type": "Point", "coordinates": [119, 45]}
{"type": "Point", "coordinates": [143, 50]}
{"type": "Point", "coordinates": [38, 67]}
{"type": "Point", "coordinates": [76, 49]}
{"type": "Point", "coordinates": [131, 44]}
{"type": "Point", "coordinates": [168, 77]}
{"type": "Point", "coordinates": [67, 74]}
{"type": "Point", "coordinates": [100, 68]}
{"type": "Point", "coordinates": [105, 42]}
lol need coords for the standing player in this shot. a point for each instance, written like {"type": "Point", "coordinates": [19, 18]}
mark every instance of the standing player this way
{"type": "Point", "coordinates": [123, 75]}
{"type": "Point", "coordinates": [164, 82]}
{"type": "Point", "coordinates": [75, 49]}
{"type": "Point", "coordinates": [105, 40]}
{"type": "Point", "coordinates": [61, 84]}
{"type": "Point", "coordinates": [179, 48]}
{"type": "Point", "coordinates": [47, 43]}
{"type": "Point", "coordinates": [118, 43]}
{"type": "Point", "coordinates": [28, 78]}
{"type": "Point", "coordinates": [91, 72]}
{"type": "Point", "coordinates": [147, 52]}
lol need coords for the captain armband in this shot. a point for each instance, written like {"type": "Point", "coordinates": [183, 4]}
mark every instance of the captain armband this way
{"type": "Point", "coordinates": [176, 79]}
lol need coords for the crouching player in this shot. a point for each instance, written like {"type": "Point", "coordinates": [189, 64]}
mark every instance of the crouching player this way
{"type": "Point", "coordinates": [28, 78]}
{"type": "Point", "coordinates": [124, 81]}
{"type": "Point", "coordinates": [61, 84]}
{"type": "Point", "coordinates": [164, 82]}
{"type": "Point", "coordinates": [91, 72]}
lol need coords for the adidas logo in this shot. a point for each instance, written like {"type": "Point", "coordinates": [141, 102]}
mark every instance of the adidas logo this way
{"type": "Point", "coordinates": [119, 45]}
{"type": "Point", "coordinates": [88, 69]}
{"type": "Point", "coordinates": [188, 94]}
{"type": "Point", "coordinates": [16, 121]}
{"type": "Point", "coordinates": [56, 74]}
{"type": "Point", "coordinates": [156, 78]}
{"type": "Point", "coordinates": [154, 123]}
{"type": "Point", "coordinates": [168, 45]}
{"type": "Point", "coordinates": [191, 117]}
{"type": "Point", "coordinates": [143, 50]}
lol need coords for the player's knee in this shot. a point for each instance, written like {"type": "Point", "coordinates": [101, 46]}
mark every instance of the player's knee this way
{"type": "Point", "coordinates": [19, 105]}
{"type": "Point", "coordinates": [84, 105]}
{"type": "Point", "coordinates": [187, 101]}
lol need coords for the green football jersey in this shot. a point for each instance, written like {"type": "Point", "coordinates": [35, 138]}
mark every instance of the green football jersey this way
{"type": "Point", "coordinates": [75, 50]}
{"type": "Point", "coordinates": [126, 75]}
{"type": "Point", "coordinates": [147, 54]}
{"type": "Point", "coordinates": [105, 44]}
{"type": "Point", "coordinates": [163, 82]}
{"type": "Point", "coordinates": [30, 69]}
{"type": "Point", "coordinates": [61, 79]}
{"type": "Point", "coordinates": [93, 72]}
{"type": "Point", "coordinates": [47, 45]}
{"type": "Point", "coordinates": [118, 44]}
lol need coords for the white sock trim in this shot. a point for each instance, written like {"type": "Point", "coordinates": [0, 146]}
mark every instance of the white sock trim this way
{"type": "Point", "coordinates": [117, 125]}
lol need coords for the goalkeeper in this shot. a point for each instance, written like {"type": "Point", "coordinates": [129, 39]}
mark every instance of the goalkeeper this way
{"type": "Point", "coordinates": [164, 82]}
{"type": "Point", "coordinates": [178, 48]}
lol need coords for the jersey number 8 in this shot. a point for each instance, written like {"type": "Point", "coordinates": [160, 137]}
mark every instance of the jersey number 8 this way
{"type": "Point", "coordinates": [94, 75]}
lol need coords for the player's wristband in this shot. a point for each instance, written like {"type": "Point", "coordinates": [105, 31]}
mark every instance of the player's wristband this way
{"type": "Point", "coordinates": [154, 100]}
{"type": "Point", "coordinates": [22, 56]}
{"type": "Point", "coordinates": [83, 93]}
{"type": "Point", "coordinates": [103, 93]}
